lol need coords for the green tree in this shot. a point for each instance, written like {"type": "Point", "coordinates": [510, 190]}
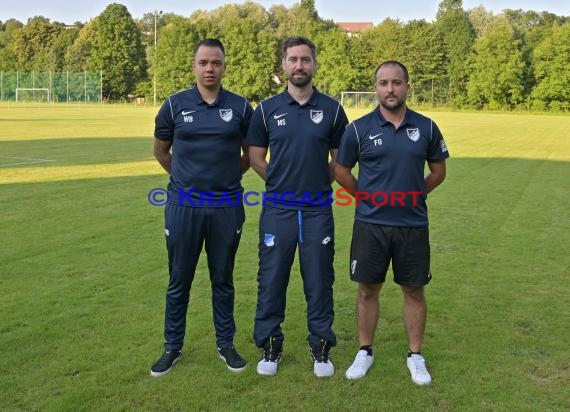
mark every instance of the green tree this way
{"type": "Point", "coordinates": [522, 20]}
{"type": "Point", "coordinates": [60, 47]}
{"type": "Point", "coordinates": [390, 40]}
{"type": "Point", "coordinates": [425, 59]}
{"type": "Point", "coordinates": [384, 41]}
{"type": "Point", "coordinates": [174, 57]}
{"type": "Point", "coordinates": [531, 28]}
{"type": "Point", "coordinates": [457, 33]}
{"type": "Point", "coordinates": [448, 6]}
{"type": "Point", "coordinates": [552, 70]}
{"type": "Point", "coordinates": [334, 73]}
{"type": "Point", "coordinates": [78, 54]}
{"type": "Point", "coordinates": [301, 19]}
{"type": "Point", "coordinates": [497, 70]}
{"type": "Point", "coordinates": [481, 20]}
{"type": "Point", "coordinates": [359, 50]}
{"type": "Point", "coordinates": [251, 48]}
{"type": "Point", "coordinates": [146, 25]}
{"type": "Point", "coordinates": [7, 34]}
{"type": "Point", "coordinates": [118, 52]}
{"type": "Point", "coordinates": [34, 44]}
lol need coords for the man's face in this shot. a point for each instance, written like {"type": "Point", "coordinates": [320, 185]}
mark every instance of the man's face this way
{"type": "Point", "coordinates": [209, 66]}
{"type": "Point", "coordinates": [299, 65]}
{"type": "Point", "coordinates": [391, 87]}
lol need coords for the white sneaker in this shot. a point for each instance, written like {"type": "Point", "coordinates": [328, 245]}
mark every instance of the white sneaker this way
{"type": "Point", "coordinates": [418, 370]}
{"type": "Point", "coordinates": [322, 364]}
{"type": "Point", "coordinates": [267, 367]}
{"type": "Point", "coordinates": [271, 356]}
{"type": "Point", "coordinates": [323, 369]}
{"type": "Point", "coordinates": [362, 362]}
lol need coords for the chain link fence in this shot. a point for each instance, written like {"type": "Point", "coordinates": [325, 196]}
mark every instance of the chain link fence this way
{"type": "Point", "coordinates": [51, 87]}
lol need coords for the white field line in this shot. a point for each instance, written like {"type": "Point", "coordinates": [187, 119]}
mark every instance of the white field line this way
{"type": "Point", "coordinates": [29, 161]}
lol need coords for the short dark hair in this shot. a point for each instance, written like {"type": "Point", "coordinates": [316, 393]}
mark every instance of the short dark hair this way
{"type": "Point", "coordinates": [297, 41]}
{"type": "Point", "coordinates": [394, 63]}
{"type": "Point", "coordinates": [210, 43]}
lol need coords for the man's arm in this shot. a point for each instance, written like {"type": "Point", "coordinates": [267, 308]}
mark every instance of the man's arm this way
{"type": "Point", "coordinates": [345, 178]}
{"type": "Point", "coordinates": [436, 176]}
{"type": "Point", "coordinates": [332, 164]}
{"type": "Point", "coordinates": [257, 157]}
{"type": "Point", "coordinates": [162, 153]}
{"type": "Point", "coordinates": [244, 162]}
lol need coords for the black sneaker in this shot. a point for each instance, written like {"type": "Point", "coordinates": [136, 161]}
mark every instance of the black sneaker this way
{"type": "Point", "coordinates": [269, 362]}
{"type": "Point", "coordinates": [162, 366]}
{"type": "Point", "coordinates": [322, 364]}
{"type": "Point", "coordinates": [234, 361]}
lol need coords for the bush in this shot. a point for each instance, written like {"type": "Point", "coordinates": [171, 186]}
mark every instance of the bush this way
{"type": "Point", "coordinates": [555, 106]}
{"type": "Point", "coordinates": [538, 104]}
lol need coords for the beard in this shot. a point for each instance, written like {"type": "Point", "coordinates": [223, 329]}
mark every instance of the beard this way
{"type": "Point", "coordinates": [300, 81]}
{"type": "Point", "coordinates": [392, 105]}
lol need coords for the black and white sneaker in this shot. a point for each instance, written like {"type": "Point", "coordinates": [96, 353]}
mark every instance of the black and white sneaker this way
{"type": "Point", "coordinates": [234, 361]}
{"type": "Point", "coordinates": [322, 364]}
{"type": "Point", "coordinates": [270, 358]}
{"type": "Point", "coordinates": [163, 365]}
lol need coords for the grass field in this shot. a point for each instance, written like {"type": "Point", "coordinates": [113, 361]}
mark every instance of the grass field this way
{"type": "Point", "coordinates": [83, 276]}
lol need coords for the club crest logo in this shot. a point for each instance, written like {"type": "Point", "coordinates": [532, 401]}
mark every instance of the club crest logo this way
{"type": "Point", "coordinates": [269, 240]}
{"type": "Point", "coordinates": [413, 134]}
{"type": "Point", "coordinates": [226, 114]}
{"type": "Point", "coordinates": [317, 116]}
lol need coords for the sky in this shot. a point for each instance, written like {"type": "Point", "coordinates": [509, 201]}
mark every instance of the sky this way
{"type": "Point", "coordinates": [375, 11]}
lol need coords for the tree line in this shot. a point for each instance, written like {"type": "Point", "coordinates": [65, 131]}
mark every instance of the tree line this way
{"type": "Point", "coordinates": [465, 58]}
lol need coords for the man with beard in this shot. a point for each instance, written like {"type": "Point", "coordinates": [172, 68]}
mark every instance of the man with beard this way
{"type": "Point", "coordinates": [300, 126]}
{"type": "Point", "coordinates": [391, 146]}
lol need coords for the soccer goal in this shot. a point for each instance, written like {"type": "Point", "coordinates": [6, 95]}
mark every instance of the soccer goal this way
{"type": "Point", "coordinates": [358, 100]}
{"type": "Point", "coordinates": [32, 94]}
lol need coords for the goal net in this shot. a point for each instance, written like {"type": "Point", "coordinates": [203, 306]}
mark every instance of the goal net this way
{"type": "Point", "coordinates": [358, 100]}
{"type": "Point", "coordinates": [32, 94]}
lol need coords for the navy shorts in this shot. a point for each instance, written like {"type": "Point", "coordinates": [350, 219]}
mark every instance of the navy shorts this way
{"type": "Point", "coordinates": [374, 246]}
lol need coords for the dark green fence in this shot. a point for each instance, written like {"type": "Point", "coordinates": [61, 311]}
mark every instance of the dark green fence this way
{"type": "Point", "coordinates": [66, 87]}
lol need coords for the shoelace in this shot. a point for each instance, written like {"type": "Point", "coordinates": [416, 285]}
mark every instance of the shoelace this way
{"type": "Point", "coordinates": [322, 358]}
{"type": "Point", "coordinates": [419, 364]}
{"type": "Point", "coordinates": [323, 355]}
{"type": "Point", "coordinates": [271, 354]}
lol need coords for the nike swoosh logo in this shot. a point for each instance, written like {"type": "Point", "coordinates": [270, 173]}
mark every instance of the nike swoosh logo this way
{"type": "Point", "coordinates": [188, 112]}
{"type": "Point", "coordinates": [275, 116]}
{"type": "Point", "coordinates": [375, 136]}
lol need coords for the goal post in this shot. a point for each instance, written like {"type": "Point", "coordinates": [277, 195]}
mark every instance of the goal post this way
{"type": "Point", "coordinates": [358, 100]}
{"type": "Point", "coordinates": [29, 94]}
{"type": "Point", "coordinates": [51, 87]}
